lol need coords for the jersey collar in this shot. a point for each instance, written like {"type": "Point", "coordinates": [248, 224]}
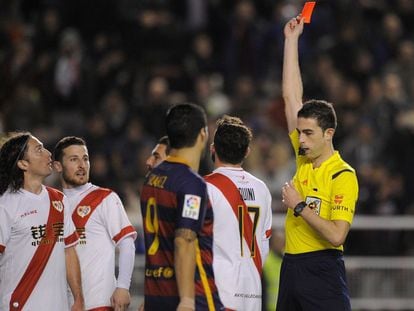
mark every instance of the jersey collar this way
{"type": "Point", "coordinates": [180, 160]}
{"type": "Point", "coordinates": [334, 157]}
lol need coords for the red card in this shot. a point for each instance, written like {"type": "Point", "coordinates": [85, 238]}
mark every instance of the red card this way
{"type": "Point", "coordinates": [307, 11]}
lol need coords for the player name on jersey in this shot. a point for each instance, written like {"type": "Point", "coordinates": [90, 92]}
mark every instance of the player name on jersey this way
{"type": "Point", "coordinates": [247, 194]}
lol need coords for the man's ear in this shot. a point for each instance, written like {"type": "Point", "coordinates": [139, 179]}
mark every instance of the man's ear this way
{"type": "Point", "coordinates": [247, 152]}
{"type": "Point", "coordinates": [203, 136]}
{"type": "Point", "coordinates": [204, 133]}
{"type": "Point", "coordinates": [329, 133]}
{"type": "Point", "coordinates": [212, 149]}
{"type": "Point", "coordinates": [57, 166]}
{"type": "Point", "coordinates": [23, 164]}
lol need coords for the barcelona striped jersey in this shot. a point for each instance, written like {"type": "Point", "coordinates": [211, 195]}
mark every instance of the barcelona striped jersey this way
{"type": "Point", "coordinates": [174, 197]}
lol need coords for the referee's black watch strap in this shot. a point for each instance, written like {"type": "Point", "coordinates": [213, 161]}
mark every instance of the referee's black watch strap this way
{"type": "Point", "coordinates": [299, 208]}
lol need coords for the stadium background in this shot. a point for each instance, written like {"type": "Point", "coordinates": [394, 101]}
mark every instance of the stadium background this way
{"type": "Point", "coordinates": [108, 70]}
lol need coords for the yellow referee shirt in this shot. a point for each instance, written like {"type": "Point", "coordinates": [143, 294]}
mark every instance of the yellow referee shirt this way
{"type": "Point", "coordinates": [331, 190]}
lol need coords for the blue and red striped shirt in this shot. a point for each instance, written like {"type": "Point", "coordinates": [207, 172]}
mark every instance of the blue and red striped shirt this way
{"type": "Point", "coordinates": [174, 197]}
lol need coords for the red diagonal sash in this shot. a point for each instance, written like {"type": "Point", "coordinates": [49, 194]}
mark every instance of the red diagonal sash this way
{"type": "Point", "coordinates": [233, 196]}
{"type": "Point", "coordinates": [87, 206]}
{"type": "Point", "coordinates": [41, 257]}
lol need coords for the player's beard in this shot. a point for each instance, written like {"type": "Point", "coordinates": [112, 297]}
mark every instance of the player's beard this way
{"type": "Point", "coordinates": [75, 182]}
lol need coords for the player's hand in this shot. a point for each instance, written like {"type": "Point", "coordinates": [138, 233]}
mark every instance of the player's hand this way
{"type": "Point", "coordinates": [78, 305]}
{"type": "Point", "coordinates": [290, 196]}
{"type": "Point", "coordinates": [141, 307]}
{"type": "Point", "coordinates": [186, 304]}
{"type": "Point", "coordinates": [120, 299]}
{"type": "Point", "coordinates": [294, 27]}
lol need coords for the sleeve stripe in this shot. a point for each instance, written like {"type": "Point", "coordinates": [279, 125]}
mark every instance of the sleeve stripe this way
{"type": "Point", "coordinates": [72, 239]}
{"type": "Point", "coordinates": [124, 232]}
{"type": "Point", "coordinates": [340, 172]}
{"type": "Point", "coordinates": [268, 233]}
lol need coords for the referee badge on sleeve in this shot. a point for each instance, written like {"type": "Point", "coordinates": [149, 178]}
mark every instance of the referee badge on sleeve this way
{"type": "Point", "coordinates": [191, 208]}
{"type": "Point", "coordinates": [314, 204]}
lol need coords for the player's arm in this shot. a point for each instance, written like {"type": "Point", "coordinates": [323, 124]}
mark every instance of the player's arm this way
{"type": "Point", "coordinates": [334, 231]}
{"type": "Point", "coordinates": [5, 228]}
{"type": "Point", "coordinates": [185, 264]}
{"type": "Point", "coordinates": [73, 275]}
{"type": "Point", "coordinates": [292, 88]}
{"type": "Point", "coordinates": [121, 297]}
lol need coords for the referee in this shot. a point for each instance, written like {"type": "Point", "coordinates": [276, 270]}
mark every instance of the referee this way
{"type": "Point", "coordinates": [321, 198]}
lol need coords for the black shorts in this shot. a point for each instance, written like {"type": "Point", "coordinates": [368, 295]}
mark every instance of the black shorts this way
{"type": "Point", "coordinates": [314, 281]}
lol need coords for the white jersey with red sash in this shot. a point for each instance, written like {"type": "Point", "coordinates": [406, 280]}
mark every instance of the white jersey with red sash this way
{"type": "Point", "coordinates": [34, 231]}
{"type": "Point", "coordinates": [101, 222]}
{"type": "Point", "coordinates": [242, 228]}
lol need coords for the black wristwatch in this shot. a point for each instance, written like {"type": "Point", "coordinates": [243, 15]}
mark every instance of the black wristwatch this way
{"type": "Point", "coordinates": [299, 208]}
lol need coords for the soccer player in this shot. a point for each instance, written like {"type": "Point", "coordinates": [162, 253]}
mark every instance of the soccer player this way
{"type": "Point", "coordinates": [159, 153]}
{"type": "Point", "coordinates": [242, 218]}
{"type": "Point", "coordinates": [178, 223]}
{"type": "Point", "coordinates": [37, 236]}
{"type": "Point", "coordinates": [103, 226]}
{"type": "Point", "coordinates": [321, 199]}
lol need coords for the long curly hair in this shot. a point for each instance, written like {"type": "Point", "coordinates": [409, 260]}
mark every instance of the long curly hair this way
{"type": "Point", "coordinates": [11, 152]}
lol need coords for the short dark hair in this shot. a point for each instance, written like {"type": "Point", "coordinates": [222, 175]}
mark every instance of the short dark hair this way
{"type": "Point", "coordinates": [183, 124]}
{"type": "Point", "coordinates": [232, 139]}
{"type": "Point", "coordinates": [11, 152]}
{"type": "Point", "coordinates": [64, 143]}
{"type": "Point", "coordinates": [321, 110]}
{"type": "Point", "coordinates": [165, 141]}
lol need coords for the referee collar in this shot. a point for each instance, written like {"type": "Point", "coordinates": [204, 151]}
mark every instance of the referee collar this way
{"type": "Point", "coordinates": [334, 157]}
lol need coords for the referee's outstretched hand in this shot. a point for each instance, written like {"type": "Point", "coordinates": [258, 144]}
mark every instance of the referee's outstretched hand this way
{"type": "Point", "coordinates": [294, 27]}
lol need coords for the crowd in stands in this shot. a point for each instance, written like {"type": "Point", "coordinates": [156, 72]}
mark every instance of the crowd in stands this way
{"type": "Point", "coordinates": [108, 71]}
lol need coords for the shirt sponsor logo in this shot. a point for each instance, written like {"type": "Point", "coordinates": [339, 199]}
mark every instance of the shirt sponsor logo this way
{"type": "Point", "coordinates": [161, 272]}
{"type": "Point", "coordinates": [82, 235]}
{"type": "Point", "coordinates": [83, 210]}
{"type": "Point", "coordinates": [191, 208]}
{"type": "Point", "coordinates": [58, 205]}
{"type": "Point", "coordinates": [341, 208]}
{"type": "Point", "coordinates": [39, 234]}
{"type": "Point", "coordinates": [338, 198]}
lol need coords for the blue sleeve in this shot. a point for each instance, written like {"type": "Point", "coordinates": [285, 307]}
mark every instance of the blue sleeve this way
{"type": "Point", "coordinates": [192, 204]}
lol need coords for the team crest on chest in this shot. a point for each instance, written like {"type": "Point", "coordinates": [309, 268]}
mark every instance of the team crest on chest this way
{"type": "Point", "coordinates": [83, 210]}
{"type": "Point", "coordinates": [58, 205]}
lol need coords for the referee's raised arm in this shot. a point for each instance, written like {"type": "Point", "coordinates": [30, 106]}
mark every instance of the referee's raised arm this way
{"type": "Point", "coordinates": [292, 82]}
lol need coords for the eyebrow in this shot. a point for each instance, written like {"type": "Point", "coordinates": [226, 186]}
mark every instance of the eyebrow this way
{"type": "Point", "coordinates": [77, 156]}
{"type": "Point", "coordinates": [305, 130]}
